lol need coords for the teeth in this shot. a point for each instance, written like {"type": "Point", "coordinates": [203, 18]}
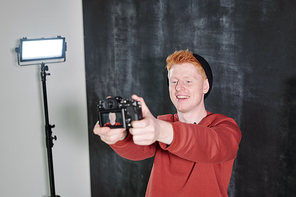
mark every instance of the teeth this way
{"type": "Point", "coordinates": [182, 97]}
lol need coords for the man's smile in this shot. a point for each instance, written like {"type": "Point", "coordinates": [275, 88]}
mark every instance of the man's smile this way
{"type": "Point", "coordinates": [182, 97]}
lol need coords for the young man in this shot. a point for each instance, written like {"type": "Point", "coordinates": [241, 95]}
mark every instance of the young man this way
{"type": "Point", "coordinates": [112, 120]}
{"type": "Point", "coordinates": [194, 149]}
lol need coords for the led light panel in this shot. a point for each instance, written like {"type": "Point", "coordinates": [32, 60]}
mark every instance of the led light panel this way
{"type": "Point", "coordinates": [42, 49]}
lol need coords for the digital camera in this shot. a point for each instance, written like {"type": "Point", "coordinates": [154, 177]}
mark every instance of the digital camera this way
{"type": "Point", "coordinates": [119, 112]}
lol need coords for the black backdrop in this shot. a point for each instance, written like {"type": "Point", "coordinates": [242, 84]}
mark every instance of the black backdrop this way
{"type": "Point", "coordinates": [251, 48]}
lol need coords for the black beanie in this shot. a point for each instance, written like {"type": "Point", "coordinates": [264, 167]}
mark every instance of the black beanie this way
{"type": "Point", "coordinates": [207, 70]}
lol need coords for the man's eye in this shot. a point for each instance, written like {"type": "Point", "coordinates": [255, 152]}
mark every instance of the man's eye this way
{"type": "Point", "coordinates": [173, 82]}
{"type": "Point", "coordinates": [188, 81]}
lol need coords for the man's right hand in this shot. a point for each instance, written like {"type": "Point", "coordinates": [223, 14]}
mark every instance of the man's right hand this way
{"type": "Point", "coordinates": [108, 135]}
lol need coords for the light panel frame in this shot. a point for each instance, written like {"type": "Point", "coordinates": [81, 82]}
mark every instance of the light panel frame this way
{"type": "Point", "coordinates": [48, 50]}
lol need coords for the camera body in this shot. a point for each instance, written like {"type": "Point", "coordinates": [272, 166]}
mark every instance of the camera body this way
{"type": "Point", "coordinates": [119, 112]}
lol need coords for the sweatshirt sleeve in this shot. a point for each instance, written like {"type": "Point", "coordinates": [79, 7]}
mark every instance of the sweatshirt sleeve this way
{"type": "Point", "coordinates": [128, 149]}
{"type": "Point", "coordinates": [214, 140]}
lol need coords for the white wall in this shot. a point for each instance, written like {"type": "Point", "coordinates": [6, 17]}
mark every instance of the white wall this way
{"type": "Point", "coordinates": [23, 166]}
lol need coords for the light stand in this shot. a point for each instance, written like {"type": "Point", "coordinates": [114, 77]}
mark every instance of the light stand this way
{"type": "Point", "coordinates": [48, 132]}
{"type": "Point", "coordinates": [36, 51]}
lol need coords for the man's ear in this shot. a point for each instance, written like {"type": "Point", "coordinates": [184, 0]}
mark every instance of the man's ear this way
{"type": "Point", "coordinates": [206, 86]}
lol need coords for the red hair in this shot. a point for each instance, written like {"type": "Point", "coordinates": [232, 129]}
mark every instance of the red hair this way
{"type": "Point", "coordinates": [180, 57]}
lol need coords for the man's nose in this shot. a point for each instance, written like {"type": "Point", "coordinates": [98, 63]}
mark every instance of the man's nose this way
{"type": "Point", "coordinates": [179, 86]}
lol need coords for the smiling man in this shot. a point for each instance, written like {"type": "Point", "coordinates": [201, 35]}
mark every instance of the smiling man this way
{"type": "Point", "coordinates": [194, 149]}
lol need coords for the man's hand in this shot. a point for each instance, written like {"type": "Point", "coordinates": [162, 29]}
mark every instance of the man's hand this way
{"type": "Point", "coordinates": [108, 135]}
{"type": "Point", "coordinates": [149, 129]}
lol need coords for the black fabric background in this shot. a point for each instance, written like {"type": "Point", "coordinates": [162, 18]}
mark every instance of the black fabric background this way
{"type": "Point", "coordinates": [250, 46]}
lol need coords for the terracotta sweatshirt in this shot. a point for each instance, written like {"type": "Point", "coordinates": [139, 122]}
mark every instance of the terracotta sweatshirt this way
{"type": "Point", "coordinates": [197, 163]}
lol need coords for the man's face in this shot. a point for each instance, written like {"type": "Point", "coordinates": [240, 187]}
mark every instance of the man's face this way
{"type": "Point", "coordinates": [112, 117]}
{"type": "Point", "coordinates": [187, 88]}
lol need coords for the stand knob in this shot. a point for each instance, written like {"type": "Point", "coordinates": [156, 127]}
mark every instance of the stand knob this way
{"type": "Point", "coordinates": [54, 138]}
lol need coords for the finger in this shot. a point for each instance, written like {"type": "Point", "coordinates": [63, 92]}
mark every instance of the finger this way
{"type": "Point", "coordinates": [140, 99]}
{"type": "Point", "coordinates": [132, 131]}
{"type": "Point", "coordinates": [140, 131]}
{"type": "Point", "coordinates": [101, 130]}
{"type": "Point", "coordinates": [97, 124]}
{"type": "Point", "coordinates": [118, 131]}
{"type": "Point", "coordinates": [145, 109]}
{"type": "Point", "coordinates": [145, 139]}
{"type": "Point", "coordinates": [137, 131]}
{"type": "Point", "coordinates": [114, 136]}
{"type": "Point", "coordinates": [110, 139]}
{"type": "Point", "coordinates": [139, 123]}
{"type": "Point", "coordinates": [98, 130]}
